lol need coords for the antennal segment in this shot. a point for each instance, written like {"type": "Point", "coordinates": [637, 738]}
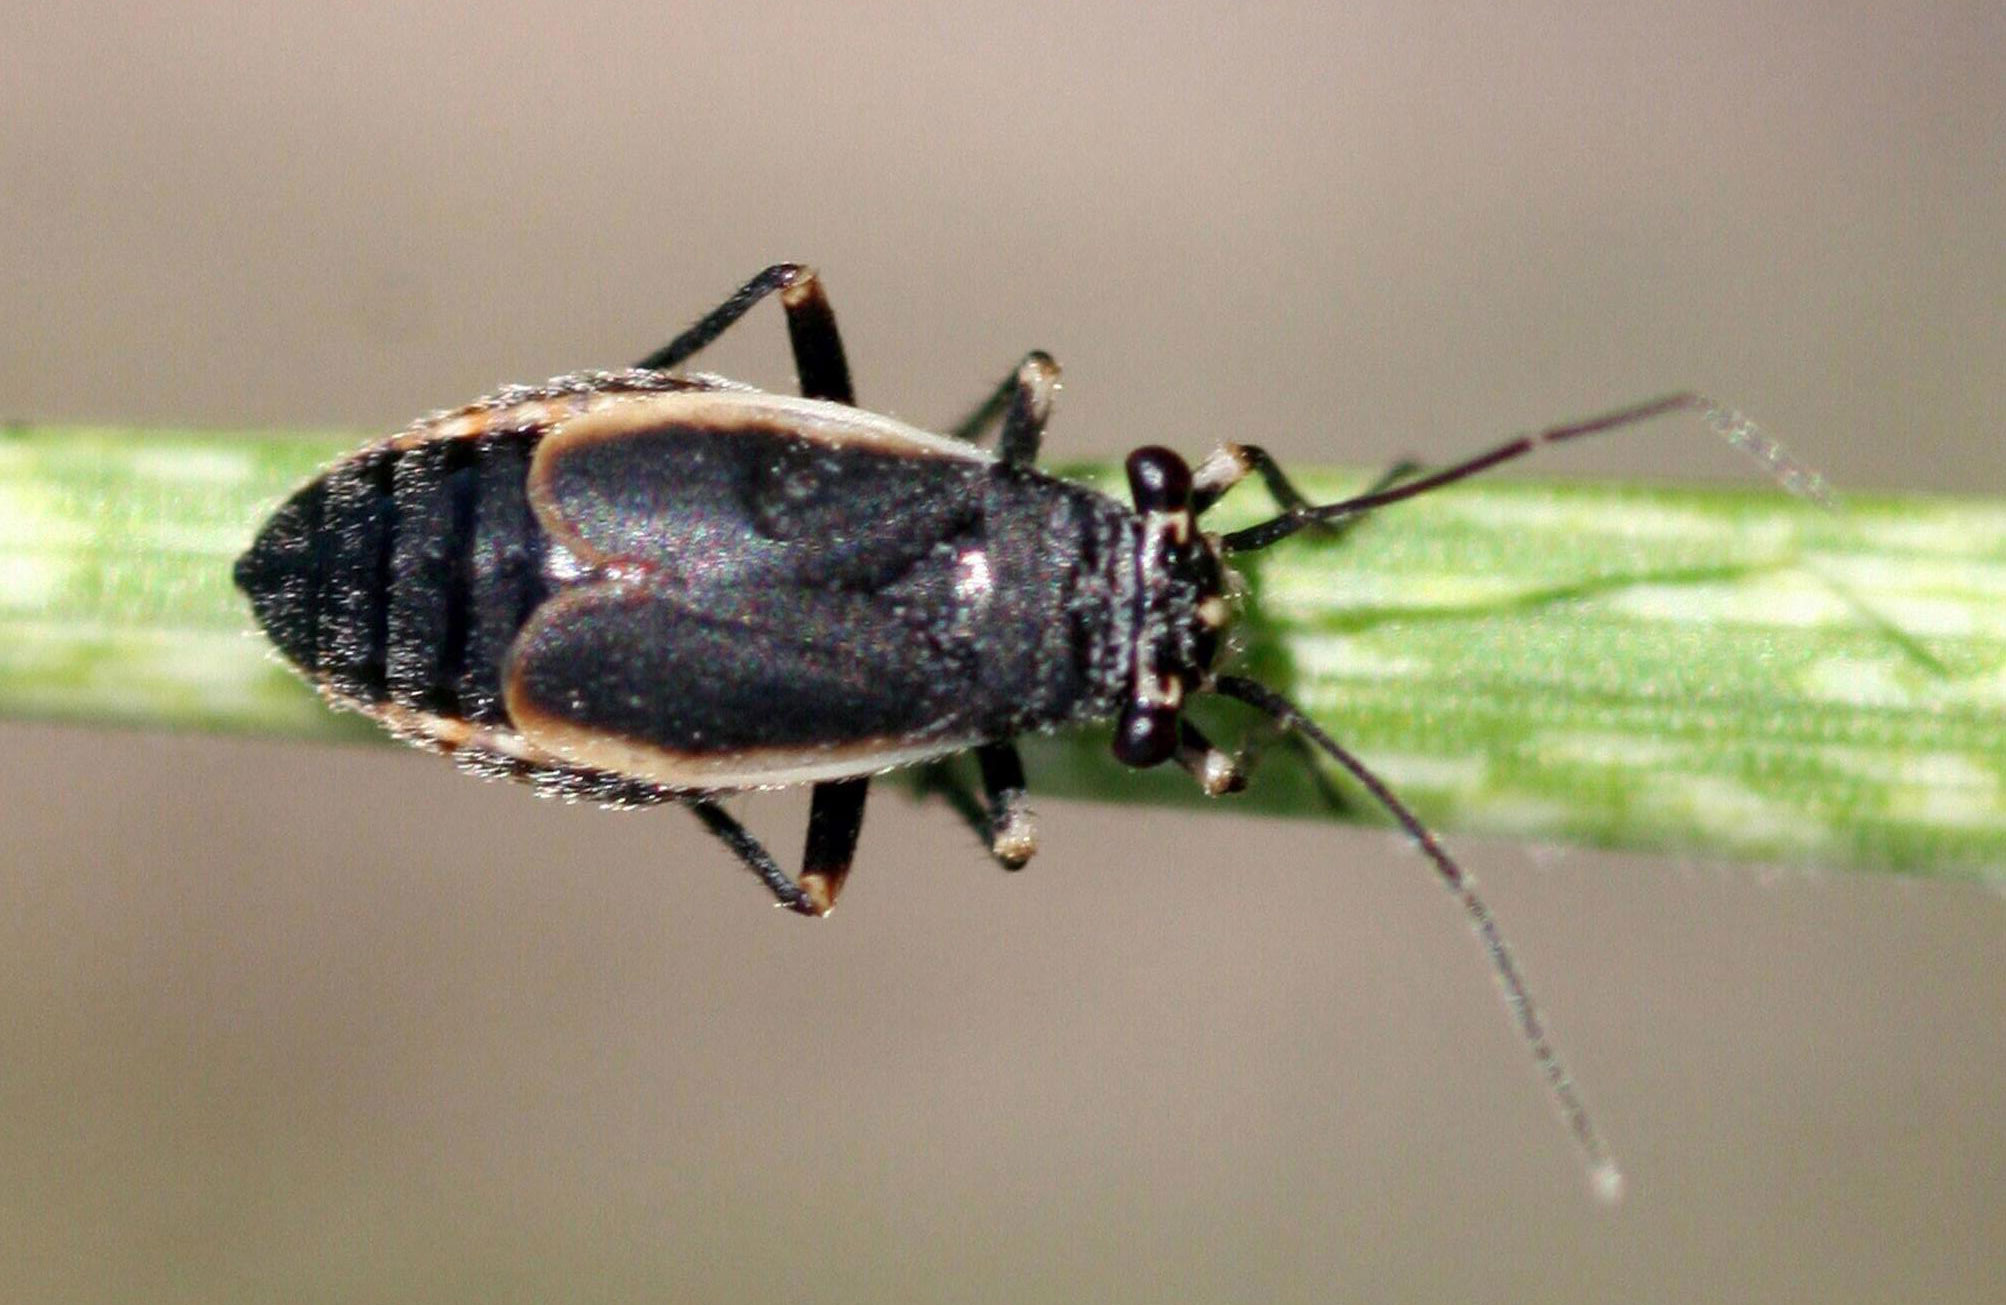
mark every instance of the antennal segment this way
{"type": "Point", "coordinates": [1729, 424]}
{"type": "Point", "coordinates": [1787, 471]}
{"type": "Point", "coordinates": [1603, 1172]}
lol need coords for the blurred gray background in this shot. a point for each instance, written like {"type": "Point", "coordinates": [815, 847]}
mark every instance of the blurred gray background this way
{"type": "Point", "coordinates": [297, 1023]}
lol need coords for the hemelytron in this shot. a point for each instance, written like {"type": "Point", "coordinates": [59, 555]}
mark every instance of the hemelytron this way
{"type": "Point", "coordinates": [649, 586]}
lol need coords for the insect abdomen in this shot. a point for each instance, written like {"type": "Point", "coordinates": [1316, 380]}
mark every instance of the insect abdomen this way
{"type": "Point", "coordinates": [403, 574]}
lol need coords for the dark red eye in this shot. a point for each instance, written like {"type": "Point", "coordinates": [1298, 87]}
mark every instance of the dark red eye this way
{"type": "Point", "coordinates": [1145, 737]}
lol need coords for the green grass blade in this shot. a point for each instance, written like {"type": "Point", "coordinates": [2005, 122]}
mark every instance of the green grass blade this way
{"type": "Point", "coordinates": [1726, 672]}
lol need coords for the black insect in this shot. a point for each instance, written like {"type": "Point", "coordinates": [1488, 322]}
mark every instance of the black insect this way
{"type": "Point", "coordinates": [644, 586]}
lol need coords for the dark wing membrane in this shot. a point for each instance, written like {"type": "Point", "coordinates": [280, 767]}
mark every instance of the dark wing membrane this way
{"type": "Point", "coordinates": [752, 503]}
{"type": "Point", "coordinates": [744, 687]}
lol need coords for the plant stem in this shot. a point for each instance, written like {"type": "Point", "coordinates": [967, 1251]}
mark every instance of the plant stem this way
{"type": "Point", "coordinates": [1726, 672]}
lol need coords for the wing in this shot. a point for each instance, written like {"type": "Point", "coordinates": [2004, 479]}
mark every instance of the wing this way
{"type": "Point", "coordinates": [718, 489]}
{"type": "Point", "coordinates": [771, 590]}
{"type": "Point", "coordinates": [756, 687]}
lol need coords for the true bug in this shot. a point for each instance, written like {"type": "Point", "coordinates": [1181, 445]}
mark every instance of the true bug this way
{"type": "Point", "coordinates": [646, 586]}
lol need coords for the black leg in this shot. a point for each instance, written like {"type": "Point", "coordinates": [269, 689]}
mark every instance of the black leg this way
{"type": "Point", "coordinates": [1023, 402]}
{"type": "Point", "coordinates": [811, 329]}
{"type": "Point", "coordinates": [1002, 817]}
{"type": "Point", "coordinates": [1013, 834]}
{"type": "Point", "coordinates": [975, 426]}
{"type": "Point", "coordinates": [751, 851]}
{"type": "Point", "coordinates": [1218, 772]}
{"type": "Point", "coordinates": [835, 817]}
{"type": "Point", "coordinates": [834, 820]}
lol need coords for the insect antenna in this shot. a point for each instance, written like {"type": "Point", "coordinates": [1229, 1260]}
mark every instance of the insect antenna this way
{"type": "Point", "coordinates": [1729, 424]}
{"type": "Point", "coordinates": [1604, 1174]}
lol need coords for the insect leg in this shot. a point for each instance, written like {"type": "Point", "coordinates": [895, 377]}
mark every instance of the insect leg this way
{"type": "Point", "coordinates": [835, 817]}
{"type": "Point", "coordinates": [1216, 770]}
{"type": "Point", "coordinates": [1023, 402]}
{"type": "Point", "coordinates": [751, 851]}
{"type": "Point", "coordinates": [811, 329]}
{"type": "Point", "coordinates": [1012, 831]}
{"type": "Point", "coordinates": [1001, 817]}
